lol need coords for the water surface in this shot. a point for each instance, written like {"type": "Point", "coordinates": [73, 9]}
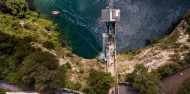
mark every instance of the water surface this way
{"type": "Point", "coordinates": [81, 25]}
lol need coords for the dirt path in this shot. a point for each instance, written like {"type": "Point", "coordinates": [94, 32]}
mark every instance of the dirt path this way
{"type": "Point", "coordinates": [173, 82]}
{"type": "Point", "coordinates": [9, 87]}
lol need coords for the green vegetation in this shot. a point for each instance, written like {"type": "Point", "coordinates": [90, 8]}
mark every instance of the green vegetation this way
{"type": "Point", "coordinates": [12, 52]}
{"type": "Point", "coordinates": [24, 65]}
{"type": "Point", "coordinates": [173, 67]}
{"type": "Point", "coordinates": [185, 89]}
{"type": "Point", "coordinates": [71, 85]}
{"type": "Point", "coordinates": [42, 70]}
{"type": "Point", "coordinates": [20, 63]}
{"type": "Point", "coordinates": [146, 82]}
{"type": "Point", "coordinates": [2, 91]}
{"type": "Point", "coordinates": [153, 41]}
{"type": "Point", "coordinates": [48, 44]}
{"type": "Point", "coordinates": [23, 36]}
{"type": "Point", "coordinates": [187, 16]}
{"type": "Point", "coordinates": [17, 7]}
{"type": "Point", "coordinates": [99, 82]}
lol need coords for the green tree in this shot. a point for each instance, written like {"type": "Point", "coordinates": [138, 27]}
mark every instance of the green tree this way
{"type": "Point", "coordinates": [99, 82]}
{"type": "Point", "coordinates": [17, 7]}
{"type": "Point", "coordinates": [146, 82]}
{"type": "Point", "coordinates": [42, 70]}
{"type": "Point", "coordinates": [165, 70]}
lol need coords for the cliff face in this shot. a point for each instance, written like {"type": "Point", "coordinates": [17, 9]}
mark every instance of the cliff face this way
{"type": "Point", "coordinates": [167, 50]}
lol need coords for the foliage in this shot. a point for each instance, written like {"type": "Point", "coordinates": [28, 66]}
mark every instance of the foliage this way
{"type": "Point", "coordinates": [2, 91]}
{"type": "Point", "coordinates": [71, 85]}
{"type": "Point", "coordinates": [2, 5]}
{"type": "Point", "coordinates": [42, 70]}
{"type": "Point", "coordinates": [185, 89]}
{"type": "Point", "coordinates": [13, 50]}
{"type": "Point", "coordinates": [171, 39]}
{"type": "Point", "coordinates": [18, 59]}
{"type": "Point", "coordinates": [17, 7]}
{"type": "Point", "coordinates": [187, 16]}
{"type": "Point", "coordinates": [175, 66]}
{"type": "Point", "coordinates": [99, 82]}
{"type": "Point", "coordinates": [153, 41]}
{"type": "Point", "coordinates": [48, 44]}
{"type": "Point", "coordinates": [165, 70]}
{"type": "Point", "coordinates": [146, 82]}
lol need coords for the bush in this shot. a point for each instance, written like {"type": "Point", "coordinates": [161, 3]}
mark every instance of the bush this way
{"type": "Point", "coordinates": [13, 50]}
{"type": "Point", "coordinates": [153, 40]}
{"type": "Point", "coordinates": [42, 70]}
{"type": "Point", "coordinates": [17, 7]}
{"type": "Point", "coordinates": [30, 26]}
{"type": "Point", "coordinates": [164, 71]}
{"type": "Point", "coordinates": [187, 16]}
{"type": "Point", "coordinates": [146, 82]}
{"type": "Point", "coordinates": [2, 91]}
{"type": "Point", "coordinates": [99, 82]}
{"type": "Point", "coordinates": [48, 44]}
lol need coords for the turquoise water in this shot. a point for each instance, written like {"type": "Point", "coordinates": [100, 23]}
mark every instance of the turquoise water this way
{"type": "Point", "coordinates": [80, 21]}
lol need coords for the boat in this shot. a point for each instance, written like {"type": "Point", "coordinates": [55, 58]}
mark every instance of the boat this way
{"type": "Point", "coordinates": [55, 12]}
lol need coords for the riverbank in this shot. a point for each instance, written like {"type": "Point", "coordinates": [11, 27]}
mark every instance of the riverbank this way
{"type": "Point", "coordinates": [165, 51]}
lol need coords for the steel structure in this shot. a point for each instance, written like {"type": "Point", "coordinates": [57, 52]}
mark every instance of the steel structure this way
{"type": "Point", "coordinates": [110, 16]}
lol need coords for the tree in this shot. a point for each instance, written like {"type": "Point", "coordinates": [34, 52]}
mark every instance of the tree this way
{"type": "Point", "coordinates": [165, 70]}
{"type": "Point", "coordinates": [99, 82]}
{"type": "Point", "coordinates": [17, 7]}
{"type": "Point", "coordinates": [146, 82]}
{"type": "Point", "coordinates": [42, 70]}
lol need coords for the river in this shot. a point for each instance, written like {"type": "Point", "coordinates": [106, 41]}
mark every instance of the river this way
{"type": "Point", "coordinates": [80, 22]}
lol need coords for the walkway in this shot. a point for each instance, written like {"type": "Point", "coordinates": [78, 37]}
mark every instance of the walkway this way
{"type": "Point", "coordinates": [173, 82]}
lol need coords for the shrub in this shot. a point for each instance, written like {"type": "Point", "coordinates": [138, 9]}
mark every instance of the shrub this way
{"type": "Point", "coordinates": [17, 7]}
{"type": "Point", "coordinates": [42, 70]}
{"type": "Point", "coordinates": [2, 91]}
{"type": "Point", "coordinates": [164, 71]}
{"type": "Point", "coordinates": [48, 44]}
{"type": "Point", "coordinates": [99, 82]}
{"type": "Point", "coordinates": [153, 40]}
{"type": "Point", "coordinates": [187, 16]}
{"type": "Point", "coordinates": [146, 82]}
{"type": "Point", "coordinates": [175, 66]}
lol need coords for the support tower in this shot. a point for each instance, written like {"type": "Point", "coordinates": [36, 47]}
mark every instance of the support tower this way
{"type": "Point", "coordinates": [110, 16]}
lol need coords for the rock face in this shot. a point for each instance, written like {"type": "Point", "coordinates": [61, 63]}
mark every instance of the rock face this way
{"type": "Point", "coordinates": [167, 50]}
